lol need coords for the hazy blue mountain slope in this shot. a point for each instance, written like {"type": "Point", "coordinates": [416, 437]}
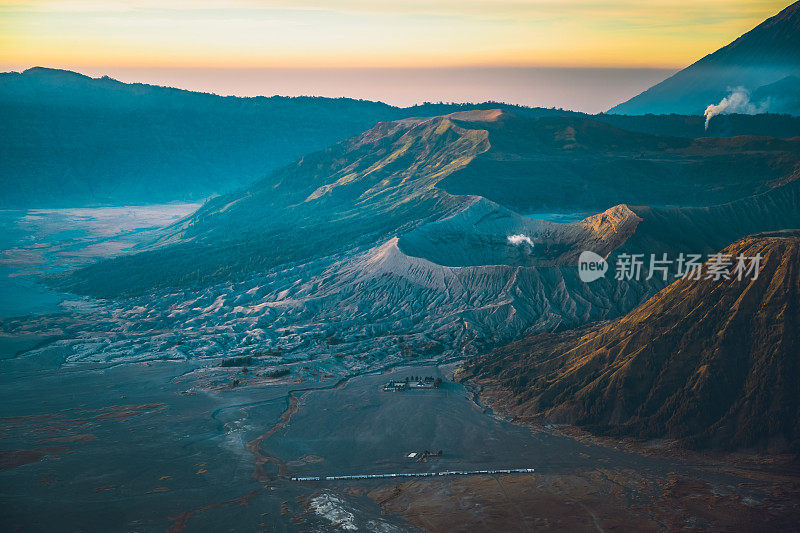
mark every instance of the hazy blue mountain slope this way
{"type": "Point", "coordinates": [68, 139]}
{"type": "Point", "coordinates": [764, 55]}
{"type": "Point", "coordinates": [71, 140]}
{"type": "Point", "coordinates": [358, 256]}
{"type": "Point", "coordinates": [782, 96]}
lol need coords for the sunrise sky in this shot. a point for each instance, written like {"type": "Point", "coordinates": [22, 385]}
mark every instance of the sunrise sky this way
{"type": "Point", "coordinates": [154, 37]}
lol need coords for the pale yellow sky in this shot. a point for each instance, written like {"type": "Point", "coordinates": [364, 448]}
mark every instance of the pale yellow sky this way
{"type": "Point", "coordinates": [90, 34]}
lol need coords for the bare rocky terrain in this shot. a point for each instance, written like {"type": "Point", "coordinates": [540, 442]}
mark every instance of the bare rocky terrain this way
{"type": "Point", "coordinates": [261, 321]}
{"type": "Point", "coordinates": [389, 267]}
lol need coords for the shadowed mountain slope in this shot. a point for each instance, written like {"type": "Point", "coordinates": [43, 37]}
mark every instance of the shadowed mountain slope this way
{"type": "Point", "coordinates": [766, 54]}
{"type": "Point", "coordinates": [580, 164]}
{"type": "Point", "coordinates": [693, 126]}
{"type": "Point", "coordinates": [708, 362]}
{"type": "Point", "coordinates": [707, 229]}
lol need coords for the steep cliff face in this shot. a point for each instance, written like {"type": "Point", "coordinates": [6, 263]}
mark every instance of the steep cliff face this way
{"type": "Point", "coordinates": [710, 362]}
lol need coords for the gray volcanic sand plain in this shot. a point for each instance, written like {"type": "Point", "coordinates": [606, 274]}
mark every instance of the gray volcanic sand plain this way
{"type": "Point", "coordinates": [142, 447]}
{"type": "Point", "coordinates": [358, 428]}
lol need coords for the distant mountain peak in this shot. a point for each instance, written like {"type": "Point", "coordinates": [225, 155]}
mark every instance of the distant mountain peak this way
{"type": "Point", "coordinates": [55, 77]}
{"type": "Point", "coordinates": [767, 53]}
{"type": "Point", "coordinates": [39, 71]}
{"type": "Point", "coordinates": [791, 14]}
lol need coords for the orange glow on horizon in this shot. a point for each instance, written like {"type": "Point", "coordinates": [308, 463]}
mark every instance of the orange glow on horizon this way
{"type": "Point", "coordinates": [353, 33]}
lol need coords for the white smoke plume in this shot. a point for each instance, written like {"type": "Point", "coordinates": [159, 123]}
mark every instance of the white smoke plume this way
{"type": "Point", "coordinates": [516, 240]}
{"type": "Point", "coordinates": [738, 101]}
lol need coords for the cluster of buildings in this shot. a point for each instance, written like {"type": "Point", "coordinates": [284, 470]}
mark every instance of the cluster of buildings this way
{"type": "Point", "coordinates": [421, 456]}
{"type": "Point", "coordinates": [416, 382]}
